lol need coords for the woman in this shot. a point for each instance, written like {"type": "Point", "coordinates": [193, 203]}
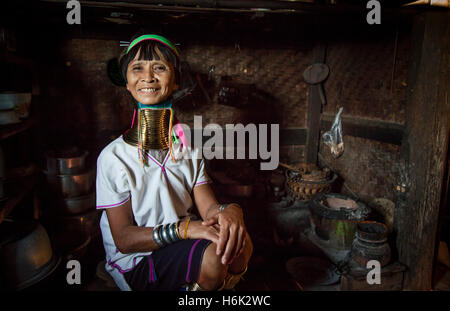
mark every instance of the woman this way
{"type": "Point", "coordinates": [151, 240]}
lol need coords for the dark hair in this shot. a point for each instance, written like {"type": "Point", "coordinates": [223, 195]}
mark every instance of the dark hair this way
{"type": "Point", "coordinates": [148, 52]}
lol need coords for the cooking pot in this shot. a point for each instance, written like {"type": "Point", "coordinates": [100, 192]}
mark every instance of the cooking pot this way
{"type": "Point", "coordinates": [66, 164]}
{"type": "Point", "coordinates": [71, 186]}
{"type": "Point", "coordinates": [76, 205]}
{"type": "Point", "coordinates": [371, 243]}
{"type": "Point", "coordinates": [26, 255]}
{"type": "Point", "coordinates": [334, 218]}
{"type": "Point", "coordinates": [74, 233]}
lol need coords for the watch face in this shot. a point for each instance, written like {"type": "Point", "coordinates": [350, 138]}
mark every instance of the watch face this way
{"type": "Point", "coordinates": [222, 207]}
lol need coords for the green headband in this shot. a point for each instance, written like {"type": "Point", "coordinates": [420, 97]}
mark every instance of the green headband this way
{"type": "Point", "coordinates": [161, 39]}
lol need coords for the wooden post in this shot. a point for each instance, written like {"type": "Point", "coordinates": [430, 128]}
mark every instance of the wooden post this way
{"type": "Point", "coordinates": [314, 110]}
{"type": "Point", "coordinates": [424, 147]}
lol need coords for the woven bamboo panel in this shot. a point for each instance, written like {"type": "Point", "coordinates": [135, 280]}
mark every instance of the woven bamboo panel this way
{"type": "Point", "coordinates": [361, 75]}
{"type": "Point", "coordinates": [369, 168]}
{"type": "Point", "coordinates": [275, 71]}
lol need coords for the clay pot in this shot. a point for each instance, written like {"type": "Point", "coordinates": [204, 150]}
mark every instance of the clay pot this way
{"type": "Point", "coordinates": [371, 243]}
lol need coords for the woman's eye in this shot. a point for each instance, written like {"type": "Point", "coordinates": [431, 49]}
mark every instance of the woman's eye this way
{"type": "Point", "coordinates": [159, 68]}
{"type": "Point", "coordinates": [137, 68]}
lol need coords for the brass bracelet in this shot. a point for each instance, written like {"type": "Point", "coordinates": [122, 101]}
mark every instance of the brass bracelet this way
{"type": "Point", "coordinates": [185, 228]}
{"type": "Point", "coordinates": [177, 225]}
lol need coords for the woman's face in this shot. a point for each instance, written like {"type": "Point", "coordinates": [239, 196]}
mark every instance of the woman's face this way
{"type": "Point", "coordinates": [150, 81]}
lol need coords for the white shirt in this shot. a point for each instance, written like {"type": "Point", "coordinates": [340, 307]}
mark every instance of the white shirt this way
{"type": "Point", "coordinates": [159, 194]}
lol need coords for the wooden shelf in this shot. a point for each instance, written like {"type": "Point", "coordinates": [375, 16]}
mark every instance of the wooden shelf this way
{"type": "Point", "coordinates": [20, 188]}
{"type": "Point", "coordinates": [16, 59]}
{"type": "Point", "coordinates": [13, 129]}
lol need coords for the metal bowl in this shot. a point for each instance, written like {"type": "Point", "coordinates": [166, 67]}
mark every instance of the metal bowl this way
{"type": "Point", "coordinates": [66, 164]}
{"type": "Point", "coordinates": [11, 100]}
{"type": "Point", "coordinates": [26, 254]}
{"type": "Point", "coordinates": [312, 272]}
{"type": "Point", "coordinates": [71, 186]}
{"type": "Point", "coordinates": [8, 117]}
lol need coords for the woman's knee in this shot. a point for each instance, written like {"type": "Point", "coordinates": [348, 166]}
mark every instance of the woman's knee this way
{"type": "Point", "coordinates": [212, 271]}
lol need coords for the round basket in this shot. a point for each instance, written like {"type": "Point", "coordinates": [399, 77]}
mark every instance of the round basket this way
{"type": "Point", "coordinates": [307, 181]}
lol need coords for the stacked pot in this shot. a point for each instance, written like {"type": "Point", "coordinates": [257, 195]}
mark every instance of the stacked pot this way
{"type": "Point", "coordinates": [371, 244]}
{"type": "Point", "coordinates": [71, 196]}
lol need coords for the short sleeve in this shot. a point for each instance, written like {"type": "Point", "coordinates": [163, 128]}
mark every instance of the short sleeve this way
{"type": "Point", "coordinates": [112, 187]}
{"type": "Point", "coordinates": [202, 175]}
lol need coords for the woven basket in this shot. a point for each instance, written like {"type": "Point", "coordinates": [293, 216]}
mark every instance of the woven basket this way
{"type": "Point", "coordinates": [307, 181]}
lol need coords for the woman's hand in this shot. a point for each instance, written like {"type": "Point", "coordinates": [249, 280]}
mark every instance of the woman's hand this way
{"type": "Point", "coordinates": [232, 231]}
{"type": "Point", "coordinates": [196, 230]}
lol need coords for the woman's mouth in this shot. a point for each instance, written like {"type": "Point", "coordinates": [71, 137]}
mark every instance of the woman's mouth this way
{"type": "Point", "coordinates": [148, 90]}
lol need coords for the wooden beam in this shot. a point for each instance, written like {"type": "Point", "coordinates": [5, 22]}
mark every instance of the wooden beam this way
{"type": "Point", "coordinates": [417, 209]}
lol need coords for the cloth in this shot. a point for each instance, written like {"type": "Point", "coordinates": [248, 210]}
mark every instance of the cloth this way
{"type": "Point", "coordinates": [168, 268]}
{"type": "Point", "coordinates": [159, 194]}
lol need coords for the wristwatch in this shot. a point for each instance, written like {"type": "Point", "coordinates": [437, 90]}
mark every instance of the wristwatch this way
{"type": "Point", "coordinates": [222, 207]}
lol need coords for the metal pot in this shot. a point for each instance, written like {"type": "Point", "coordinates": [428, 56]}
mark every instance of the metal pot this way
{"type": "Point", "coordinates": [71, 186]}
{"type": "Point", "coordinates": [26, 255]}
{"type": "Point", "coordinates": [335, 217]}
{"type": "Point", "coordinates": [74, 206]}
{"type": "Point", "coordinates": [18, 101]}
{"type": "Point", "coordinates": [8, 117]}
{"type": "Point", "coordinates": [66, 165]}
{"type": "Point", "coordinates": [74, 233]}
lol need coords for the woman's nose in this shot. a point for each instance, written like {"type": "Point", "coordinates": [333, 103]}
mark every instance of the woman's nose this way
{"type": "Point", "coordinates": [148, 75]}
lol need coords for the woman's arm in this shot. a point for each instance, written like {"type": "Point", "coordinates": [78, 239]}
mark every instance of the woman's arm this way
{"type": "Point", "coordinates": [230, 220]}
{"type": "Point", "coordinates": [130, 238]}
